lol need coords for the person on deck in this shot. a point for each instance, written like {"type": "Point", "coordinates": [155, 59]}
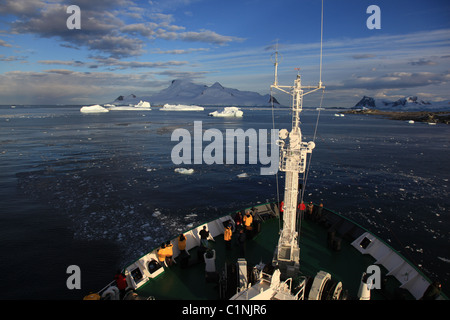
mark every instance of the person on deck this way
{"type": "Point", "coordinates": [301, 209]}
{"type": "Point", "coordinates": [318, 215]}
{"type": "Point", "coordinates": [238, 218]}
{"type": "Point", "coordinates": [162, 254]}
{"type": "Point", "coordinates": [241, 241]}
{"type": "Point", "coordinates": [309, 211]}
{"type": "Point", "coordinates": [281, 209]}
{"type": "Point", "coordinates": [248, 224]}
{"type": "Point", "coordinates": [204, 234]}
{"type": "Point", "coordinates": [121, 282]}
{"type": "Point", "coordinates": [227, 236]}
{"type": "Point", "coordinates": [182, 243]}
{"type": "Point", "coordinates": [248, 221]}
{"type": "Point", "coordinates": [169, 253]}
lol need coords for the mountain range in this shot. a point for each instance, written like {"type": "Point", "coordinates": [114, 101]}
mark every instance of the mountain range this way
{"type": "Point", "coordinates": [410, 103]}
{"type": "Point", "coordinates": [188, 93]}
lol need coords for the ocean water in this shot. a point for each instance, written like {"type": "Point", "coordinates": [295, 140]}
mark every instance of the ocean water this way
{"type": "Point", "coordinates": [100, 190]}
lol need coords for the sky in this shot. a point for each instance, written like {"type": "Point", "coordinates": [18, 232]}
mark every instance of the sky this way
{"type": "Point", "coordinates": [139, 47]}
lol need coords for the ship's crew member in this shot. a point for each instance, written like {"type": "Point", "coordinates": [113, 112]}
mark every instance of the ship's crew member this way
{"type": "Point", "coordinates": [161, 253]}
{"type": "Point", "coordinates": [182, 243]}
{"type": "Point", "coordinates": [204, 234]}
{"type": "Point", "coordinates": [121, 282]}
{"type": "Point", "coordinates": [227, 236]}
{"type": "Point", "coordinates": [169, 253]}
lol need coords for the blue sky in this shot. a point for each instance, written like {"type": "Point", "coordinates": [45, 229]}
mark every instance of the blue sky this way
{"type": "Point", "coordinates": [138, 47]}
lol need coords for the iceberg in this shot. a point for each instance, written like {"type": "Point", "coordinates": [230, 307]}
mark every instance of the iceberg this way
{"type": "Point", "coordinates": [228, 112]}
{"type": "Point", "coordinates": [142, 105]}
{"type": "Point", "coordinates": [181, 107]}
{"type": "Point", "coordinates": [184, 171]}
{"type": "Point", "coordinates": [243, 175]}
{"type": "Point", "coordinates": [96, 108]}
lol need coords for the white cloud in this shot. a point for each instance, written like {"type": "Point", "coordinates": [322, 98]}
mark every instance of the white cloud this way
{"type": "Point", "coordinates": [103, 27]}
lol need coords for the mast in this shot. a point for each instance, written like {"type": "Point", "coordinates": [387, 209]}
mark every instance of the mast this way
{"type": "Point", "coordinates": [293, 155]}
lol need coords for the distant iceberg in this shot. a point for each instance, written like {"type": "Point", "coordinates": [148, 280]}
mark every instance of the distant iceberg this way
{"type": "Point", "coordinates": [96, 108]}
{"type": "Point", "coordinates": [142, 105]}
{"type": "Point", "coordinates": [181, 107]}
{"type": "Point", "coordinates": [228, 112]}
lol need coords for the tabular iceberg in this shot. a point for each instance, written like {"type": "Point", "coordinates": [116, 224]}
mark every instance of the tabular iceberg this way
{"type": "Point", "coordinates": [96, 108]}
{"type": "Point", "coordinates": [228, 112]}
{"type": "Point", "coordinates": [142, 105]}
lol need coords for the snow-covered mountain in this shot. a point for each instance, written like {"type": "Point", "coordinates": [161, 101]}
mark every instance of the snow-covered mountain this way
{"type": "Point", "coordinates": [411, 103]}
{"type": "Point", "coordinates": [187, 92]}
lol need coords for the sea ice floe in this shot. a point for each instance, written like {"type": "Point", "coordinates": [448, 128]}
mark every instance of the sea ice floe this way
{"type": "Point", "coordinates": [184, 170]}
{"type": "Point", "coordinates": [157, 213]}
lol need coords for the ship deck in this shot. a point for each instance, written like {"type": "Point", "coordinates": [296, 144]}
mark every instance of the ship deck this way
{"type": "Point", "coordinates": [345, 265]}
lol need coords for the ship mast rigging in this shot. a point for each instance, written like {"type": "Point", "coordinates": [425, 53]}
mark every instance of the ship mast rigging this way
{"type": "Point", "coordinates": [293, 158]}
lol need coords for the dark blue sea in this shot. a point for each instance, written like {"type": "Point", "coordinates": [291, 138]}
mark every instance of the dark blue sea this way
{"type": "Point", "coordinates": [100, 190]}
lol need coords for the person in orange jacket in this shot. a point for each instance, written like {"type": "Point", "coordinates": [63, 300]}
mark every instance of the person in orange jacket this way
{"type": "Point", "coordinates": [227, 236]}
{"type": "Point", "coordinates": [162, 254]}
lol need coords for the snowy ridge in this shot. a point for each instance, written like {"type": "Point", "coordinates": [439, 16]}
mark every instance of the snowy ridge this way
{"type": "Point", "coordinates": [411, 103]}
{"type": "Point", "coordinates": [186, 92]}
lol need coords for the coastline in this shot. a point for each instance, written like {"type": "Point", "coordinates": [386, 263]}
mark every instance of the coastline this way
{"type": "Point", "coordinates": [419, 116]}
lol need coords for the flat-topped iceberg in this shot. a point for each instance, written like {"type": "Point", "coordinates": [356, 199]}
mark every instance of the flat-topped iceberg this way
{"type": "Point", "coordinates": [96, 108]}
{"type": "Point", "coordinates": [142, 105]}
{"type": "Point", "coordinates": [228, 112]}
{"type": "Point", "coordinates": [181, 107]}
